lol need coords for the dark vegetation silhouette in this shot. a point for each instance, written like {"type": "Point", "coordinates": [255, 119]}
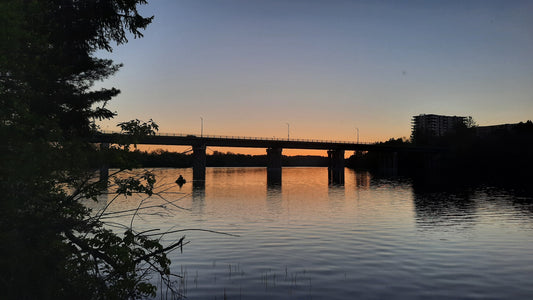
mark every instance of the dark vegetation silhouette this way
{"type": "Point", "coordinates": [504, 155]}
{"type": "Point", "coordinates": [163, 158]}
{"type": "Point", "coordinates": [51, 245]}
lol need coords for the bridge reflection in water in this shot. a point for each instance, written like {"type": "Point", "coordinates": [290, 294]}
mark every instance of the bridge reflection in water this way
{"type": "Point", "coordinates": [274, 148]}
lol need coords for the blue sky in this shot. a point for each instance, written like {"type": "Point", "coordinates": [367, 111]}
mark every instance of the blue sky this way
{"type": "Point", "coordinates": [249, 67]}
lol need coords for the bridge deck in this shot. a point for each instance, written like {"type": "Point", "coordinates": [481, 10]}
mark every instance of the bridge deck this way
{"type": "Point", "coordinates": [251, 142]}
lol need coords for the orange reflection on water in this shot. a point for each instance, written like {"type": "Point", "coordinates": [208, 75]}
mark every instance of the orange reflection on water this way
{"type": "Point", "coordinates": [233, 197]}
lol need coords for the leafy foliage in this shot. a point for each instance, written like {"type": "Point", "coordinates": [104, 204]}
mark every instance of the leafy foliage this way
{"type": "Point", "coordinates": [52, 246]}
{"type": "Point", "coordinates": [132, 131]}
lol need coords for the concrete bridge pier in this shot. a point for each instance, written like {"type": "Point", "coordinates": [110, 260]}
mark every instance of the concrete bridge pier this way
{"type": "Point", "coordinates": [104, 168]}
{"type": "Point", "coordinates": [433, 161]}
{"type": "Point", "coordinates": [388, 163]}
{"type": "Point", "coordinates": [198, 162]}
{"type": "Point", "coordinates": [336, 166]}
{"type": "Point", "coordinates": [274, 166]}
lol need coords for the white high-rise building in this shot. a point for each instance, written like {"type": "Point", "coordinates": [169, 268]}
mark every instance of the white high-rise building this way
{"type": "Point", "coordinates": [435, 125]}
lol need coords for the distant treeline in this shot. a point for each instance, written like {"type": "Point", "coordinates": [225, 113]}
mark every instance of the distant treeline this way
{"type": "Point", "coordinates": [505, 153]}
{"type": "Point", "coordinates": [163, 158]}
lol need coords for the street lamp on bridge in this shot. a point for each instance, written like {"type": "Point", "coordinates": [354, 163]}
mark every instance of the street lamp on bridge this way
{"type": "Point", "coordinates": [202, 127]}
{"type": "Point", "coordinates": [288, 131]}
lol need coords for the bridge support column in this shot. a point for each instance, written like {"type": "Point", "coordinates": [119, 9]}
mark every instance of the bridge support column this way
{"type": "Point", "coordinates": [388, 163]}
{"type": "Point", "coordinates": [198, 162]}
{"type": "Point", "coordinates": [336, 166]}
{"type": "Point", "coordinates": [104, 168]}
{"type": "Point", "coordinates": [274, 166]}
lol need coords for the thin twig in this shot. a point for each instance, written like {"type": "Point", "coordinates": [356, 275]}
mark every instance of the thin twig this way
{"type": "Point", "coordinates": [194, 229]}
{"type": "Point", "coordinates": [137, 210]}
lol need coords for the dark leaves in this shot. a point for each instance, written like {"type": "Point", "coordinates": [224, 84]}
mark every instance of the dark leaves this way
{"type": "Point", "coordinates": [51, 247]}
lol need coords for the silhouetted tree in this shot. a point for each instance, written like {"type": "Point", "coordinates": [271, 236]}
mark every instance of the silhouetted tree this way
{"type": "Point", "coordinates": [51, 247]}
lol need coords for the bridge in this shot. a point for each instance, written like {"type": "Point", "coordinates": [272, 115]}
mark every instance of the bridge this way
{"type": "Point", "coordinates": [273, 146]}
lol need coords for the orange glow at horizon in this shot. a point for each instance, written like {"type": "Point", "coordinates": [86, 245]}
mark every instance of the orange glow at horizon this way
{"type": "Point", "coordinates": [236, 150]}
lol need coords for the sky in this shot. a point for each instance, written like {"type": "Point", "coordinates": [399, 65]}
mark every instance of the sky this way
{"type": "Point", "coordinates": [324, 69]}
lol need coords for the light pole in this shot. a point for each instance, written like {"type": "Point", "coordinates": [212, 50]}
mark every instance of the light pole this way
{"type": "Point", "coordinates": [288, 131]}
{"type": "Point", "coordinates": [202, 127]}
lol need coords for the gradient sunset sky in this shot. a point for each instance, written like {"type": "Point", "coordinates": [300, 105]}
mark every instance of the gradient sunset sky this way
{"type": "Point", "coordinates": [249, 67]}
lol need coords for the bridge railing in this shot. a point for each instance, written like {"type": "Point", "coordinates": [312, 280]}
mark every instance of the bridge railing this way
{"type": "Point", "coordinates": [164, 134]}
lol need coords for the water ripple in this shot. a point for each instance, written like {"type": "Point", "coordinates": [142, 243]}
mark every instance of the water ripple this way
{"type": "Point", "coordinates": [368, 239]}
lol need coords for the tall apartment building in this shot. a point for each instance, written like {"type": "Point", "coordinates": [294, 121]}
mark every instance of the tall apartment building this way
{"type": "Point", "coordinates": [434, 125]}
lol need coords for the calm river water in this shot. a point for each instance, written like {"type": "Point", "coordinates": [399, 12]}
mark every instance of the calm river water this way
{"type": "Point", "coordinates": [369, 239]}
